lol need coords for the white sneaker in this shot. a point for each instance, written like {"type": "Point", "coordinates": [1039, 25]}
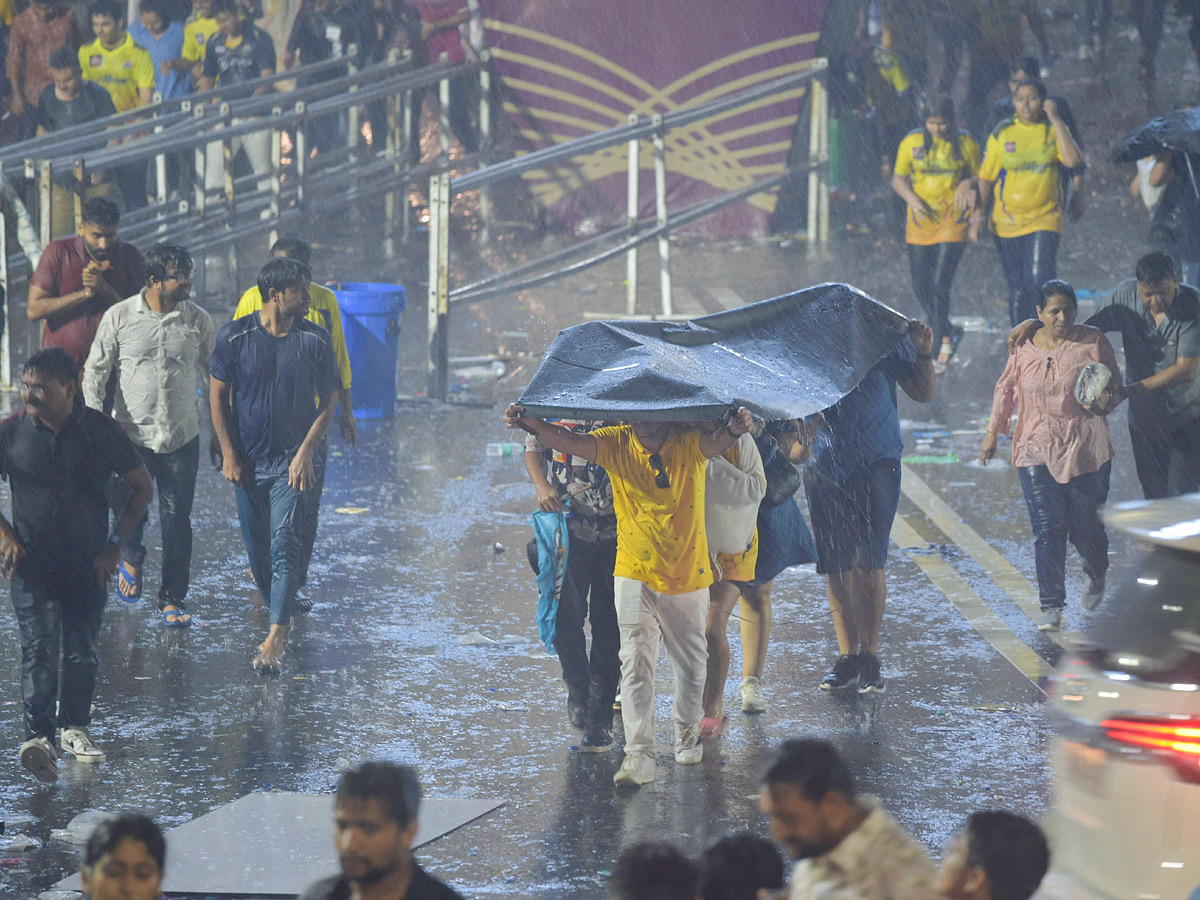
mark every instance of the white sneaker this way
{"type": "Point", "coordinates": [40, 759]}
{"type": "Point", "coordinates": [688, 749]}
{"type": "Point", "coordinates": [752, 696]}
{"type": "Point", "coordinates": [78, 743]}
{"type": "Point", "coordinates": [636, 769]}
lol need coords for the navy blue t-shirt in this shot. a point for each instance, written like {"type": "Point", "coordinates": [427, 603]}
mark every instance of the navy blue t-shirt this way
{"type": "Point", "coordinates": [864, 426]}
{"type": "Point", "coordinates": [245, 62]}
{"type": "Point", "coordinates": [276, 381]}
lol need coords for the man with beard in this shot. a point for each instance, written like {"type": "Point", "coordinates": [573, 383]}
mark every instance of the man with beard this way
{"type": "Point", "coordinates": [157, 346]}
{"type": "Point", "coordinates": [844, 844]}
{"type": "Point", "coordinates": [58, 456]}
{"type": "Point", "coordinates": [80, 277]}
{"type": "Point", "coordinates": [374, 824]}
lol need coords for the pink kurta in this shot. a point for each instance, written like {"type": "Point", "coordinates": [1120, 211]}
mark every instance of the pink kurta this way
{"type": "Point", "coordinates": [1053, 430]}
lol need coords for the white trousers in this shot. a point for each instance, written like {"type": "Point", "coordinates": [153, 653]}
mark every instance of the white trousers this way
{"type": "Point", "coordinates": [644, 616]}
{"type": "Point", "coordinates": [257, 145]}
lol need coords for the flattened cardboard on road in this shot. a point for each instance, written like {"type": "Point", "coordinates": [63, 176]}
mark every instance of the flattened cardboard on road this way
{"type": "Point", "coordinates": [276, 845]}
{"type": "Point", "coordinates": [784, 358]}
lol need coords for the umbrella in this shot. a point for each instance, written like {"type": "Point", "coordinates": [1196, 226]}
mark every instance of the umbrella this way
{"type": "Point", "coordinates": [1178, 131]}
{"type": "Point", "coordinates": [784, 358]}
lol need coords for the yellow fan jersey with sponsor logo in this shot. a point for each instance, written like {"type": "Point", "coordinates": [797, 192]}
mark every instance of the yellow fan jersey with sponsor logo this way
{"type": "Point", "coordinates": [1023, 161]}
{"type": "Point", "coordinates": [934, 175]}
{"type": "Point", "coordinates": [120, 71]}
{"type": "Point", "coordinates": [196, 35]}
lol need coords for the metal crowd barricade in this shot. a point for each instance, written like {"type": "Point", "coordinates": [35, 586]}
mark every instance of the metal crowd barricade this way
{"type": "Point", "coordinates": [296, 186]}
{"type": "Point", "coordinates": [634, 232]}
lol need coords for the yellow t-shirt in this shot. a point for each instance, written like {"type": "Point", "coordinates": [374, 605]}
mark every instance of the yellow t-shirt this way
{"type": "Point", "coordinates": [661, 540]}
{"type": "Point", "coordinates": [322, 310]}
{"type": "Point", "coordinates": [6, 12]}
{"type": "Point", "coordinates": [934, 174]}
{"type": "Point", "coordinates": [738, 566]}
{"type": "Point", "coordinates": [1023, 160]}
{"type": "Point", "coordinates": [121, 71]}
{"type": "Point", "coordinates": [196, 35]}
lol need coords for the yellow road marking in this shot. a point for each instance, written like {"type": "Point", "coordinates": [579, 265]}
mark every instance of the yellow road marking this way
{"type": "Point", "coordinates": [969, 604]}
{"type": "Point", "coordinates": [1006, 576]}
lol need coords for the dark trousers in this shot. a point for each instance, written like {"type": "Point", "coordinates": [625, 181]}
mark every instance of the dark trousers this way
{"type": "Point", "coordinates": [308, 532]}
{"type": "Point", "coordinates": [1168, 462]}
{"type": "Point", "coordinates": [590, 567]}
{"type": "Point", "coordinates": [1091, 17]}
{"type": "Point", "coordinates": [932, 268]}
{"type": "Point", "coordinates": [463, 90]}
{"type": "Point", "coordinates": [272, 515]}
{"type": "Point", "coordinates": [982, 75]}
{"type": "Point", "coordinates": [1059, 512]}
{"type": "Point", "coordinates": [54, 612]}
{"type": "Point", "coordinates": [1028, 261]}
{"type": "Point", "coordinates": [174, 474]}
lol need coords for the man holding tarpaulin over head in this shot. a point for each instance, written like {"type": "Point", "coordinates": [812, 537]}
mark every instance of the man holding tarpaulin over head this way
{"type": "Point", "coordinates": [663, 567]}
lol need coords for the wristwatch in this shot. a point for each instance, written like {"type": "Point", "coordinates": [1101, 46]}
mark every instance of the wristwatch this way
{"type": "Point", "coordinates": [114, 538]}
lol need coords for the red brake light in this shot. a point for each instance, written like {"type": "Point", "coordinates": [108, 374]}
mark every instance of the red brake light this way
{"type": "Point", "coordinates": [1179, 738]}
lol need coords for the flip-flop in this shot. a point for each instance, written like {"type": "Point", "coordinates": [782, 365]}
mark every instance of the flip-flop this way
{"type": "Point", "coordinates": [126, 576]}
{"type": "Point", "coordinates": [953, 339]}
{"type": "Point", "coordinates": [266, 665]}
{"type": "Point", "coordinates": [711, 727]}
{"type": "Point", "coordinates": [176, 618]}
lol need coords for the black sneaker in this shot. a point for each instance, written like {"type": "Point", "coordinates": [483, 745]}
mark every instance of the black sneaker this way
{"type": "Point", "coordinates": [597, 739]}
{"type": "Point", "coordinates": [870, 680]}
{"type": "Point", "coordinates": [577, 713]}
{"type": "Point", "coordinates": [844, 674]}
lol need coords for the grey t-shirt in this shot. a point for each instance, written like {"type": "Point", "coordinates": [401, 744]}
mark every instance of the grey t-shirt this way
{"type": "Point", "coordinates": [1151, 347]}
{"type": "Point", "coordinates": [92, 103]}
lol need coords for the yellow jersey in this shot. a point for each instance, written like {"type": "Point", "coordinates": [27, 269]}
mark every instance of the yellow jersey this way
{"type": "Point", "coordinates": [7, 14]}
{"type": "Point", "coordinates": [661, 540]}
{"type": "Point", "coordinates": [322, 310]}
{"type": "Point", "coordinates": [196, 35]}
{"type": "Point", "coordinates": [934, 175]}
{"type": "Point", "coordinates": [121, 71]}
{"type": "Point", "coordinates": [1023, 161]}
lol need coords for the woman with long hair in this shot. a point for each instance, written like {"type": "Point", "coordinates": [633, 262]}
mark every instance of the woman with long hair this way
{"type": "Point", "coordinates": [935, 172]}
{"type": "Point", "coordinates": [1020, 178]}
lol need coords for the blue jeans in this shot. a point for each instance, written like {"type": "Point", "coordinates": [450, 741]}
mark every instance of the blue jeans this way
{"type": "Point", "coordinates": [308, 531]}
{"type": "Point", "coordinates": [1028, 261]}
{"type": "Point", "coordinates": [175, 475]}
{"type": "Point", "coordinates": [54, 611]}
{"type": "Point", "coordinates": [272, 515]}
{"type": "Point", "coordinates": [1059, 512]}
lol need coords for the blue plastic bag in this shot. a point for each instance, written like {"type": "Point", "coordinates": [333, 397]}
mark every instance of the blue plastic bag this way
{"type": "Point", "coordinates": [553, 541]}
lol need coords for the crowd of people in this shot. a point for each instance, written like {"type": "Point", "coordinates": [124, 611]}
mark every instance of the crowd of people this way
{"type": "Point", "coordinates": [67, 64]}
{"type": "Point", "coordinates": [112, 412]}
{"type": "Point", "coordinates": [843, 843]}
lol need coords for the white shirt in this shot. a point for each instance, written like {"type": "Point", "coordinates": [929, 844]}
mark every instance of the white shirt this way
{"type": "Point", "coordinates": [161, 361]}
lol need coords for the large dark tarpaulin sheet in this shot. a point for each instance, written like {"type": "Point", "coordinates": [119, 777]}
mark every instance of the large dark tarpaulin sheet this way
{"type": "Point", "coordinates": [1178, 131]}
{"type": "Point", "coordinates": [784, 358]}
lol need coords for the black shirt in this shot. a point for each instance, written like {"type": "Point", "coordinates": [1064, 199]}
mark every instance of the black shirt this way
{"type": "Point", "coordinates": [245, 62]}
{"type": "Point", "coordinates": [322, 36]}
{"type": "Point", "coordinates": [92, 103]}
{"type": "Point", "coordinates": [58, 480]}
{"type": "Point", "coordinates": [422, 887]}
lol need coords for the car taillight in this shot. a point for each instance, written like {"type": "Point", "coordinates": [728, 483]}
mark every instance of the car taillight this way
{"type": "Point", "coordinates": [1178, 739]}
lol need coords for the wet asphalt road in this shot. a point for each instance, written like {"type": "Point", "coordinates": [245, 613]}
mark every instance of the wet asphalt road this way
{"type": "Point", "coordinates": [377, 670]}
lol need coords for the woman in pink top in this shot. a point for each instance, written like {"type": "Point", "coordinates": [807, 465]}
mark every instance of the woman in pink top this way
{"type": "Point", "coordinates": [1062, 452]}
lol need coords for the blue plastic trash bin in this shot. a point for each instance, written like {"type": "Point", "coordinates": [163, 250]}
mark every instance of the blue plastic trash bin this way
{"type": "Point", "coordinates": [371, 320]}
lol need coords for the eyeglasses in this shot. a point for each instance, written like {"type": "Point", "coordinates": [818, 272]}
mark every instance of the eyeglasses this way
{"type": "Point", "coordinates": [661, 478]}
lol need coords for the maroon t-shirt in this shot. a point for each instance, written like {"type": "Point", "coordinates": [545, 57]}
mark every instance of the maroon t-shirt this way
{"type": "Point", "coordinates": [61, 272]}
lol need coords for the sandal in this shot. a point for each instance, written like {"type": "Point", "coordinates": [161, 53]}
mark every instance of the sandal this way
{"type": "Point", "coordinates": [129, 583]}
{"type": "Point", "coordinates": [265, 664]}
{"type": "Point", "coordinates": [174, 617]}
{"type": "Point", "coordinates": [948, 349]}
{"type": "Point", "coordinates": [711, 727]}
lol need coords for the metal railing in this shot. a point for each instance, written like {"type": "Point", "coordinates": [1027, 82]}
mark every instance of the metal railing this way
{"type": "Point", "coordinates": [635, 231]}
{"type": "Point", "coordinates": [296, 184]}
